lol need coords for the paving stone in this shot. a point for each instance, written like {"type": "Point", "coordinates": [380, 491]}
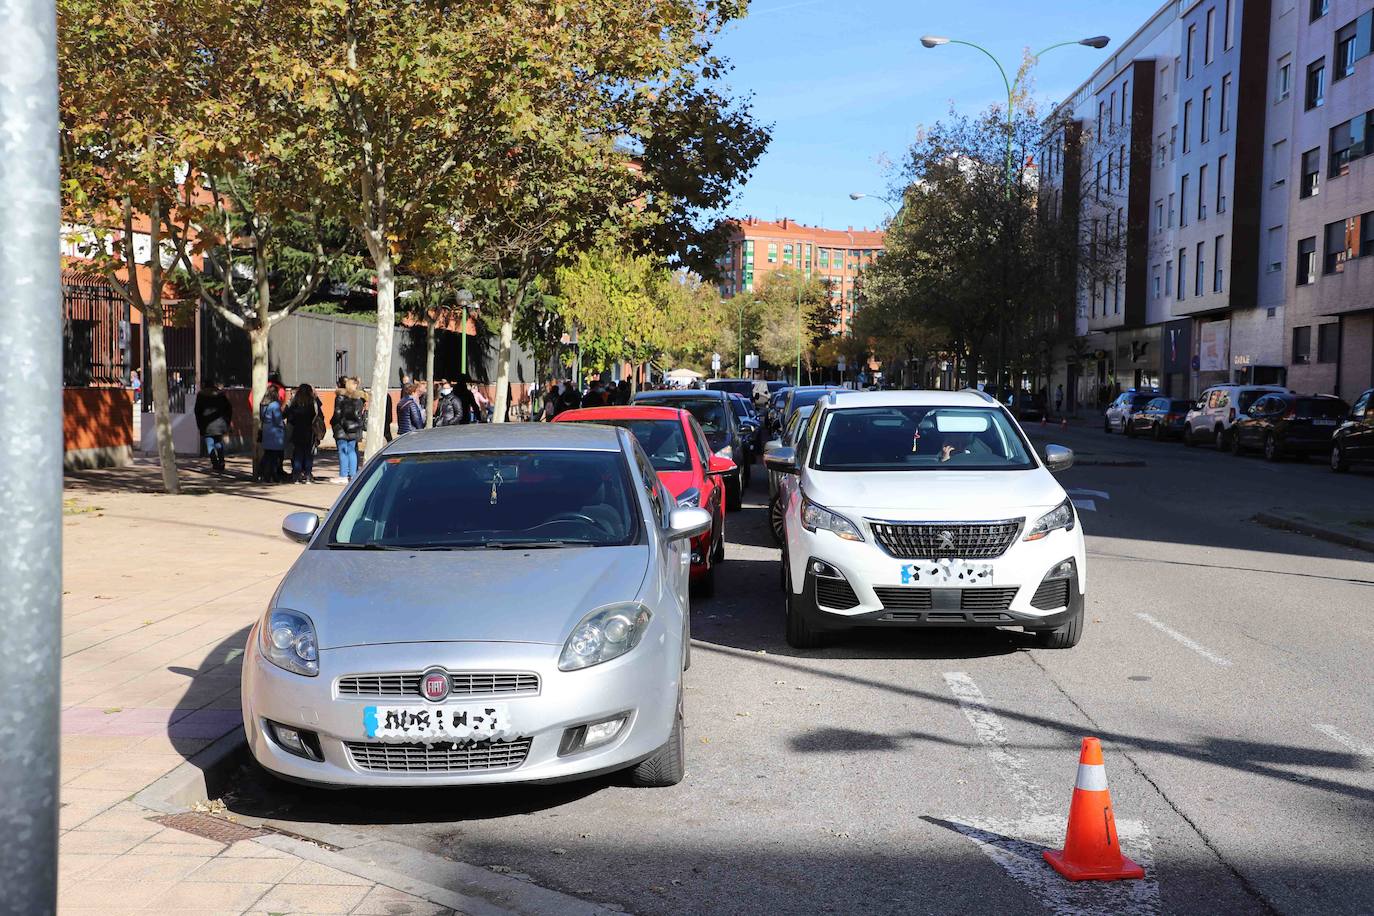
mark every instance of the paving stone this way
{"type": "Point", "coordinates": [315, 873]}
{"type": "Point", "coordinates": [305, 898]}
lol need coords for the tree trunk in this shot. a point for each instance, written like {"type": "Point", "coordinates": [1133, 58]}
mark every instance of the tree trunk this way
{"type": "Point", "coordinates": [162, 416]}
{"type": "Point", "coordinates": [381, 356]}
{"type": "Point", "coordinates": [429, 372]}
{"type": "Point", "coordinates": [257, 345]}
{"type": "Point", "coordinates": [501, 400]}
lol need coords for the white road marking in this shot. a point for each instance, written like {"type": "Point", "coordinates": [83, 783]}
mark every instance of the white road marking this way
{"type": "Point", "coordinates": [1096, 494]}
{"type": "Point", "coordinates": [1085, 505]}
{"type": "Point", "coordinates": [1197, 647]}
{"type": "Point", "coordinates": [1015, 845]}
{"type": "Point", "coordinates": [1350, 741]}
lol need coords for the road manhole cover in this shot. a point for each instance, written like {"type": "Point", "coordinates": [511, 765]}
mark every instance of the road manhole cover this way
{"type": "Point", "coordinates": [211, 828]}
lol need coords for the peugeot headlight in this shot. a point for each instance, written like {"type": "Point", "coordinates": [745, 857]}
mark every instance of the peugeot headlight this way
{"type": "Point", "coordinates": [1061, 516]}
{"type": "Point", "coordinates": [604, 634]}
{"type": "Point", "coordinates": [689, 498]}
{"type": "Point", "coordinates": [815, 516]}
{"type": "Point", "coordinates": [726, 451]}
{"type": "Point", "coordinates": [288, 641]}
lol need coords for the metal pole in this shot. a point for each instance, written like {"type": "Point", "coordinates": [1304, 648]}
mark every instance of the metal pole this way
{"type": "Point", "coordinates": [799, 334]}
{"type": "Point", "coordinates": [30, 456]}
{"type": "Point", "coordinates": [741, 339]}
{"type": "Point", "coordinates": [463, 358]}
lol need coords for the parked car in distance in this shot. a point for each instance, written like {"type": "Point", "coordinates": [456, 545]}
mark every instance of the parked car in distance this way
{"type": "Point", "coordinates": [1118, 414]}
{"type": "Point", "coordinates": [773, 413]}
{"type": "Point", "coordinates": [1161, 418]}
{"type": "Point", "coordinates": [1353, 440]}
{"type": "Point", "coordinates": [742, 386]}
{"type": "Point", "coordinates": [1283, 425]}
{"type": "Point", "coordinates": [750, 426]}
{"type": "Point", "coordinates": [714, 412]}
{"type": "Point", "coordinates": [677, 448]}
{"type": "Point", "coordinates": [1023, 404]}
{"type": "Point", "coordinates": [483, 604]}
{"type": "Point", "coordinates": [1219, 406]}
{"type": "Point", "coordinates": [803, 395]}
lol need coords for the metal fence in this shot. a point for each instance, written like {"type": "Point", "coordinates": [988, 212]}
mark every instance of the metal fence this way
{"type": "Point", "coordinates": [181, 368]}
{"type": "Point", "coordinates": [95, 333]}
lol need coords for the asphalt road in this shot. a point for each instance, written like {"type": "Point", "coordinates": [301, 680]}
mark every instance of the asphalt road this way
{"type": "Point", "coordinates": [1226, 667]}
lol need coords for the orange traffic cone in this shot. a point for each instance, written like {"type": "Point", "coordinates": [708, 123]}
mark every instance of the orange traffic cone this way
{"type": "Point", "coordinates": [1091, 850]}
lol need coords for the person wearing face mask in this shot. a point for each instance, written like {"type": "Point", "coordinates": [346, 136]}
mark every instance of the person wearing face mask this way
{"type": "Point", "coordinates": [449, 410]}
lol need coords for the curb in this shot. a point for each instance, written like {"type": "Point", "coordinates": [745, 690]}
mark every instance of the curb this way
{"type": "Point", "coordinates": [202, 777]}
{"type": "Point", "coordinates": [1321, 532]}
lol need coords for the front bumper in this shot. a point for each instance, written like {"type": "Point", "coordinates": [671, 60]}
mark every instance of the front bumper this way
{"type": "Point", "coordinates": [643, 685]}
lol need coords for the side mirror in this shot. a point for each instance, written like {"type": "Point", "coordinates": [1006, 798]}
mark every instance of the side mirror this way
{"type": "Point", "coordinates": [719, 465]}
{"type": "Point", "coordinates": [300, 526]}
{"type": "Point", "coordinates": [1058, 458]}
{"type": "Point", "coordinates": [1200, 405]}
{"type": "Point", "coordinates": [688, 523]}
{"type": "Point", "coordinates": [782, 460]}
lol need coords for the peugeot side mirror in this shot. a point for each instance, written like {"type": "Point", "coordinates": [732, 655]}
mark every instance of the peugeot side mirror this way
{"type": "Point", "coordinates": [719, 466]}
{"type": "Point", "coordinates": [300, 526]}
{"type": "Point", "coordinates": [1058, 458]}
{"type": "Point", "coordinates": [688, 523]}
{"type": "Point", "coordinates": [782, 460]}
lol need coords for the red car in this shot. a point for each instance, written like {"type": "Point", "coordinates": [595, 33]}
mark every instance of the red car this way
{"type": "Point", "coordinates": [678, 450]}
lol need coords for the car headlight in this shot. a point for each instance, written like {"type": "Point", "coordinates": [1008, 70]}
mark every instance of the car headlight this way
{"type": "Point", "coordinates": [604, 634]}
{"type": "Point", "coordinates": [288, 641]}
{"type": "Point", "coordinates": [689, 498]}
{"type": "Point", "coordinates": [815, 516]}
{"type": "Point", "coordinates": [726, 451]}
{"type": "Point", "coordinates": [1061, 516]}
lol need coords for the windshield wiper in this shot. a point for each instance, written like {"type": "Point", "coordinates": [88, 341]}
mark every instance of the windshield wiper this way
{"type": "Point", "coordinates": [367, 545]}
{"type": "Point", "coordinates": [372, 545]}
{"type": "Point", "coordinates": [536, 545]}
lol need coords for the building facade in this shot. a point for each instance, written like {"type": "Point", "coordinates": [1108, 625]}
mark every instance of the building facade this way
{"type": "Point", "coordinates": [838, 256]}
{"type": "Point", "coordinates": [1224, 201]}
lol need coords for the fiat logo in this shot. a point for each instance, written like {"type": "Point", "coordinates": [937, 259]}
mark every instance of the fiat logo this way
{"type": "Point", "coordinates": [434, 684]}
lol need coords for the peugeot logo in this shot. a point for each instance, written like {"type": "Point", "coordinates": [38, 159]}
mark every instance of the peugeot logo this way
{"type": "Point", "coordinates": [434, 685]}
{"type": "Point", "coordinates": [946, 540]}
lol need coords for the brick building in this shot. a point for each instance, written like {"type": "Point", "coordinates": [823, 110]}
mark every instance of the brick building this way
{"type": "Point", "coordinates": [836, 255]}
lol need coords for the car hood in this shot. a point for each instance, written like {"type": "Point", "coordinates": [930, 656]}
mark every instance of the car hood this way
{"type": "Point", "coordinates": [537, 596]}
{"type": "Point", "coordinates": [677, 481]}
{"type": "Point", "coordinates": [936, 495]}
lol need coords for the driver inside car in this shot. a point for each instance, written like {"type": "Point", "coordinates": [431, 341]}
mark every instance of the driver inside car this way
{"type": "Point", "coordinates": [962, 444]}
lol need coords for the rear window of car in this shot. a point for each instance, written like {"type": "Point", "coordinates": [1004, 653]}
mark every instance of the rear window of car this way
{"type": "Point", "coordinates": [1141, 400]}
{"type": "Point", "coordinates": [1247, 398]}
{"type": "Point", "coordinates": [709, 411]}
{"type": "Point", "coordinates": [734, 386]}
{"type": "Point", "coordinates": [1322, 408]}
{"type": "Point", "coordinates": [662, 441]}
{"type": "Point", "coordinates": [807, 398]}
{"type": "Point", "coordinates": [741, 409]}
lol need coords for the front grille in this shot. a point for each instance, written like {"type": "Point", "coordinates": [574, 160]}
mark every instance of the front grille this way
{"type": "Point", "coordinates": [986, 599]}
{"type": "Point", "coordinates": [836, 593]}
{"type": "Point", "coordinates": [904, 599]}
{"type": "Point", "coordinates": [954, 540]}
{"type": "Point", "coordinates": [461, 683]}
{"type": "Point", "coordinates": [897, 598]}
{"type": "Point", "coordinates": [438, 758]}
{"type": "Point", "coordinates": [1052, 593]}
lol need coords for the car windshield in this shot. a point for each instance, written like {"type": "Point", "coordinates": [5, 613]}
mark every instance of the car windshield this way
{"type": "Point", "coordinates": [662, 440]}
{"type": "Point", "coordinates": [710, 413]}
{"type": "Point", "coordinates": [918, 439]}
{"type": "Point", "coordinates": [1322, 408]}
{"type": "Point", "coordinates": [741, 409]}
{"type": "Point", "coordinates": [489, 499]}
{"type": "Point", "coordinates": [1141, 400]}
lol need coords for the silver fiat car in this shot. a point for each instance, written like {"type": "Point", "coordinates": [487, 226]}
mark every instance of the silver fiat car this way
{"type": "Point", "coordinates": [483, 604]}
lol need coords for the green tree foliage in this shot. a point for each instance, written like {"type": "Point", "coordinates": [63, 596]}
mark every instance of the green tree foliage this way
{"type": "Point", "coordinates": [793, 310]}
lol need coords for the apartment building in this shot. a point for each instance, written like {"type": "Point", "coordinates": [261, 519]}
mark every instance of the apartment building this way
{"type": "Point", "coordinates": [838, 256]}
{"type": "Point", "coordinates": [1220, 162]}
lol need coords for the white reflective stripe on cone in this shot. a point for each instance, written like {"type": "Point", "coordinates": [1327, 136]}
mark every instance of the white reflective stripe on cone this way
{"type": "Point", "coordinates": [1092, 777]}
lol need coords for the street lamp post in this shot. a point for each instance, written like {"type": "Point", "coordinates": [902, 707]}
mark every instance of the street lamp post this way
{"type": "Point", "coordinates": [934, 41]}
{"type": "Point", "coordinates": [859, 195]}
{"type": "Point", "coordinates": [464, 298]}
{"type": "Point", "coordinates": [799, 331]}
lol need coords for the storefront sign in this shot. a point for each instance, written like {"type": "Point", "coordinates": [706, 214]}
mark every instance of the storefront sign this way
{"type": "Point", "coordinates": [1214, 350]}
{"type": "Point", "coordinates": [1176, 346]}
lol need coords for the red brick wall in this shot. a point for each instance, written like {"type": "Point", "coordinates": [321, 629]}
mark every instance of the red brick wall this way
{"type": "Point", "coordinates": [97, 418]}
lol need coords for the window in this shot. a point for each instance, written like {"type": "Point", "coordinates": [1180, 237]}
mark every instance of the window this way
{"type": "Point", "coordinates": [1221, 184]}
{"type": "Point", "coordinates": [1202, 192]}
{"type": "Point", "coordinates": [1182, 274]}
{"type": "Point", "coordinates": [1097, 182]}
{"type": "Point", "coordinates": [1169, 276]}
{"type": "Point", "coordinates": [1121, 167]}
{"type": "Point", "coordinates": [1200, 269]}
{"type": "Point", "coordinates": [1274, 250]}
{"type": "Point", "coordinates": [1163, 150]}
{"type": "Point", "coordinates": [1319, 9]}
{"type": "Point", "coordinates": [1164, 83]}
{"type": "Point", "coordinates": [1173, 143]}
{"type": "Point", "coordinates": [1159, 215]}
{"type": "Point", "coordinates": [1125, 93]}
{"type": "Point", "coordinates": [787, 254]}
{"type": "Point", "coordinates": [1209, 33]}
{"type": "Point", "coordinates": [1347, 51]}
{"type": "Point", "coordinates": [1120, 226]}
{"type": "Point", "coordinates": [1155, 285]}
{"type": "Point", "coordinates": [1283, 79]}
{"type": "Point", "coordinates": [1111, 108]}
{"type": "Point", "coordinates": [772, 252]}
{"type": "Point", "coordinates": [1279, 163]}
{"type": "Point", "coordinates": [1101, 110]}
{"type": "Point", "coordinates": [1218, 278]}
{"type": "Point", "coordinates": [1171, 211]}
{"type": "Point", "coordinates": [1351, 140]}
{"type": "Point", "coordinates": [1110, 158]}
{"type": "Point", "coordinates": [1366, 234]}
{"type": "Point", "coordinates": [1307, 261]}
{"type": "Point", "coordinates": [1178, 69]}
{"type": "Point", "coordinates": [1225, 113]}
{"type": "Point", "coordinates": [1187, 120]}
{"type": "Point", "coordinates": [825, 257]}
{"type": "Point", "coordinates": [1302, 345]}
{"type": "Point", "coordinates": [1328, 342]}
{"type": "Point", "coordinates": [1205, 127]}
{"type": "Point", "coordinates": [1229, 26]}
{"type": "Point", "coordinates": [1183, 198]}
{"type": "Point", "coordinates": [808, 256]}
{"type": "Point", "coordinates": [1316, 84]}
{"type": "Point", "coordinates": [1311, 173]}
{"type": "Point", "coordinates": [1334, 247]}
{"type": "Point", "coordinates": [1188, 50]}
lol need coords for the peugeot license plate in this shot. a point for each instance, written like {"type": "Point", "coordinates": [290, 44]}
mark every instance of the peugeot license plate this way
{"type": "Point", "coordinates": [946, 572]}
{"type": "Point", "coordinates": [465, 722]}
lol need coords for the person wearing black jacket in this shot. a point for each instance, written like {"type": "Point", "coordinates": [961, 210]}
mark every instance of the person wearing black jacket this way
{"type": "Point", "coordinates": [301, 415]}
{"type": "Point", "coordinates": [348, 423]}
{"type": "Point", "coordinates": [214, 414]}
{"type": "Point", "coordinates": [569, 399]}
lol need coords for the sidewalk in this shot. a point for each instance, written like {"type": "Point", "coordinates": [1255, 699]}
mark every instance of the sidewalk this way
{"type": "Point", "coordinates": [159, 593]}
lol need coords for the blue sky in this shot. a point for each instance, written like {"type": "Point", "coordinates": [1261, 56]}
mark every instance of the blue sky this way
{"type": "Point", "coordinates": [846, 83]}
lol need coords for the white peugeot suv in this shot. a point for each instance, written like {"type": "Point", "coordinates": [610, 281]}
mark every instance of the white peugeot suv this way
{"type": "Point", "coordinates": [927, 508]}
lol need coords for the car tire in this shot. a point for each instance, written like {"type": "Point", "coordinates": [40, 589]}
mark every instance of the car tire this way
{"type": "Point", "coordinates": [1220, 439]}
{"type": "Point", "coordinates": [1339, 463]}
{"type": "Point", "coordinates": [1272, 451]}
{"type": "Point", "coordinates": [718, 552]}
{"type": "Point", "coordinates": [745, 476]}
{"type": "Point", "coordinates": [1188, 439]}
{"type": "Point", "coordinates": [1236, 448]}
{"type": "Point", "coordinates": [1064, 636]}
{"type": "Point", "coordinates": [1128, 428]}
{"type": "Point", "coordinates": [1107, 425]}
{"type": "Point", "coordinates": [1157, 433]}
{"type": "Point", "coordinates": [734, 497]}
{"type": "Point", "coordinates": [776, 520]}
{"type": "Point", "coordinates": [666, 766]}
{"type": "Point", "coordinates": [800, 633]}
